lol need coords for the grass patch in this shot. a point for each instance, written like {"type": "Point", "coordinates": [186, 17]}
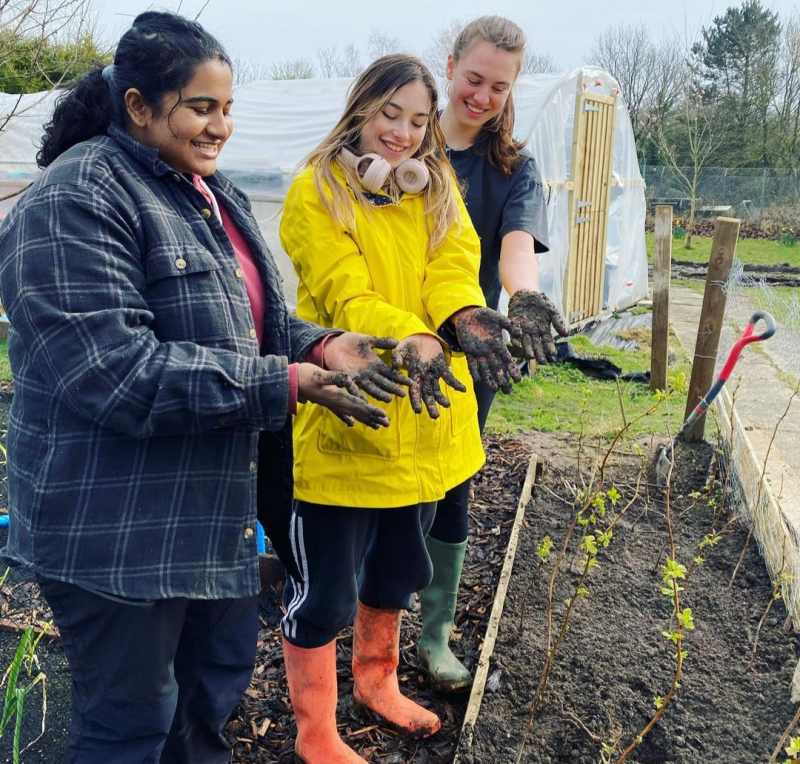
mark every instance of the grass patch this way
{"type": "Point", "coordinates": [749, 251]}
{"type": "Point", "coordinates": [5, 367]}
{"type": "Point", "coordinates": [551, 400]}
{"type": "Point", "coordinates": [693, 284]}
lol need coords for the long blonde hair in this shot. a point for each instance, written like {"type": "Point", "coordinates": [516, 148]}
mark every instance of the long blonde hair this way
{"type": "Point", "coordinates": [501, 148]}
{"type": "Point", "coordinates": [370, 93]}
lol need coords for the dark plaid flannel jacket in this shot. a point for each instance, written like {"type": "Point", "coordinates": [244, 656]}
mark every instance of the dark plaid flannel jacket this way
{"type": "Point", "coordinates": [133, 439]}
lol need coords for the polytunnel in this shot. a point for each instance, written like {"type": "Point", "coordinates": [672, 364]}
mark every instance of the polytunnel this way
{"type": "Point", "coordinates": [594, 190]}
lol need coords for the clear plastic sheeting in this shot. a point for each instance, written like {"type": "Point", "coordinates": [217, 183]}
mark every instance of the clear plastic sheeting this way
{"type": "Point", "coordinates": [618, 331]}
{"type": "Point", "coordinates": [546, 114]}
{"type": "Point", "coordinates": [277, 123]}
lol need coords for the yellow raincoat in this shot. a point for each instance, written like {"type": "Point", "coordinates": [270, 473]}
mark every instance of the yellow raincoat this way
{"type": "Point", "coordinates": [379, 279]}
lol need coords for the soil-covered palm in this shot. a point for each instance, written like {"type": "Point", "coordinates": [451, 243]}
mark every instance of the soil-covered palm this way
{"type": "Point", "coordinates": [480, 335]}
{"type": "Point", "coordinates": [423, 358]}
{"type": "Point", "coordinates": [533, 314]}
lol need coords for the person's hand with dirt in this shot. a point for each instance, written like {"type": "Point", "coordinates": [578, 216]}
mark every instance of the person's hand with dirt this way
{"type": "Point", "coordinates": [480, 334]}
{"type": "Point", "coordinates": [533, 314]}
{"type": "Point", "coordinates": [354, 353]}
{"type": "Point", "coordinates": [423, 358]}
{"type": "Point", "coordinates": [338, 392]}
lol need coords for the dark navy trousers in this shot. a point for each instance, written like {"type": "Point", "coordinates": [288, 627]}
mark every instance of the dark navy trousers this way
{"type": "Point", "coordinates": [153, 682]}
{"type": "Point", "coordinates": [451, 524]}
{"type": "Point", "coordinates": [347, 555]}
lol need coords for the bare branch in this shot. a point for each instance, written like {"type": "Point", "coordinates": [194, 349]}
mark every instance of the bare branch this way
{"type": "Point", "coordinates": [382, 44]}
{"type": "Point", "coordinates": [292, 69]}
{"type": "Point", "coordinates": [539, 63]}
{"type": "Point", "coordinates": [435, 55]}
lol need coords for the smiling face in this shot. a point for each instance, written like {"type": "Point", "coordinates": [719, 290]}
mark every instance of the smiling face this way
{"type": "Point", "coordinates": [191, 126]}
{"type": "Point", "coordinates": [481, 81]}
{"type": "Point", "coordinates": [398, 129]}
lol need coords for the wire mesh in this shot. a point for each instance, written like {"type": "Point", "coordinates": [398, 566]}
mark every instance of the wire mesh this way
{"type": "Point", "coordinates": [748, 191]}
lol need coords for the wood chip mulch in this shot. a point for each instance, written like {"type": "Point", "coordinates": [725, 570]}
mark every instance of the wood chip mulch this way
{"type": "Point", "coordinates": [21, 605]}
{"type": "Point", "coordinates": [262, 729]}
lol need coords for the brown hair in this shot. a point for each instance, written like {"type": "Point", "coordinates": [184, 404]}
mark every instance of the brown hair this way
{"type": "Point", "coordinates": [501, 148]}
{"type": "Point", "coordinates": [370, 93]}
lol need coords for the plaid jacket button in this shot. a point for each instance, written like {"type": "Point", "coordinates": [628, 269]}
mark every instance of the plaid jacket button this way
{"type": "Point", "coordinates": [248, 533]}
{"type": "Point", "coordinates": [253, 466]}
{"type": "Point", "coordinates": [238, 273]}
{"type": "Point", "coordinates": [253, 334]}
{"type": "Point", "coordinates": [176, 178]}
{"type": "Point", "coordinates": [180, 263]}
{"type": "Point", "coordinates": [206, 213]}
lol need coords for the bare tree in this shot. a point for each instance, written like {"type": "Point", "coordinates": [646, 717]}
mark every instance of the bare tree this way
{"type": "Point", "coordinates": [786, 103]}
{"type": "Point", "coordinates": [329, 61]}
{"type": "Point", "coordinates": [649, 73]}
{"type": "Point", "coordinates": [382, 44]}
{"type": "Point", "coordinates": [686, 139]}
{"type": "Point", "coordinates": [31, 32]}
{"type": "Point", "coordinates": [332, 63]}
{"type": "Point", "coordinates": [539, 63]}
{"type": "Point", "coordinates": [435, 55]}
{"type": "Point", "coordinates": [351, 62]}
{"type": "Point", "coordinates": [292, 69]}
{"type": "Point", "coordinates": [245, 71]}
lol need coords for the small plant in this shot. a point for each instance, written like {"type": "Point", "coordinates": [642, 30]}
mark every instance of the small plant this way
{"type": "Point", "coordinates": [679, 231]}
{"type": "Point", "coordinates": [22, 665]}
{"type": "Point", "coordinates": [793, 750]}
{"type": "Point", "coordinates": [788, 237]}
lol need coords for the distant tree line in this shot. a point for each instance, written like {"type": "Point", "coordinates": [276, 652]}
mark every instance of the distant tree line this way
{"type": "Point", "coordinates": [730, 97]}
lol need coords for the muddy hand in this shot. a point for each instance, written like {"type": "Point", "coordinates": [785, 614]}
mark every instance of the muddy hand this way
{"type": "Point", "coordinates": [422, 357]}
{"type": "Point", "coordinates": [355, 354]}
{"type": "Point", "coordinates": [338, 392]}
{"type": "Point", "coordinates": [480, 334]}
{"type": "Point", "coordinates": [533, 314]}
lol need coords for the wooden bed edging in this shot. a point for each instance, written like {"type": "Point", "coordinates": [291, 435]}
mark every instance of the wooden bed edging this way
{"type": "Point", "coordinates": [775, 518]}
{"type": "Point", "coordinates": [482, 672]}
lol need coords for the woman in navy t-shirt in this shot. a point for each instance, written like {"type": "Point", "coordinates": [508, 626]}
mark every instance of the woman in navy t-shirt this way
{"type": "Point", "coordinates": [503, 193]}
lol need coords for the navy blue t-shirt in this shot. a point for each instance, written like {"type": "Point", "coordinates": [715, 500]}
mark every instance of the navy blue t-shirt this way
{"type": "Point", "coordinates": [499, 204]}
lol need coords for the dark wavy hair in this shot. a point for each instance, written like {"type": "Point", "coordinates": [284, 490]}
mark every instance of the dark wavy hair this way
{"type": "Point", "coordinates": [159, 54]}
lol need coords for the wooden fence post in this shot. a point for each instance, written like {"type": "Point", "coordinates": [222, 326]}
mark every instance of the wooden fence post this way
{"type": "Point", "coordinates": [723, 249]}
{"type": "Point", "coordinates": [662, 261]}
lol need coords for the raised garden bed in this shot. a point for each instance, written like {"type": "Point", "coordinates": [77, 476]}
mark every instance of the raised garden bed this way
{"type": "Point", "coordinates": [262, 729]}
{"type": "Point", "coordinates": [733, 703]}
{"type": "Point", "coordinates": [611, 665]}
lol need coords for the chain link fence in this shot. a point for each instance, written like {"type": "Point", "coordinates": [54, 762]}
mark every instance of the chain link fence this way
{"type": "Point", "coordinates": [750, 193]}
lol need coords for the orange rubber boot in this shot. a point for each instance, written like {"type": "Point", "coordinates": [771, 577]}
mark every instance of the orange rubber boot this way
{"type": "Point", "coordinates": [311, 675]}
{"type": "Point", "coordinates": [376, 653]}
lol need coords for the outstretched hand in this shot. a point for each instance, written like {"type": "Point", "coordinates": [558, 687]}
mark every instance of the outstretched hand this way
{"type": "Point", "coordinates": [422, 357]}
{"type": "Point", "coordinates": [532, 313]}
{"type": "Point", "coordinates": [338, 392]}
{"type": "Point", "coordinates": [480, 334]}
{"type": "Point", "coordinates": [355, 354]}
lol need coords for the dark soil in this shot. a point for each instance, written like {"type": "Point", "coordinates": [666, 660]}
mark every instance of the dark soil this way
{"type": "Point", "coordinates": [705, 227]}
{"type": "Point", "coordinates": [776, 274]}
{"type": "Point", "coordinates": [611, 666]}
{"type": "Point", "coordinates": [614, 660]}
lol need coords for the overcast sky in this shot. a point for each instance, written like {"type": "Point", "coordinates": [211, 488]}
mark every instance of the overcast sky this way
{"type": "Point", "coordinates": [265, 31]}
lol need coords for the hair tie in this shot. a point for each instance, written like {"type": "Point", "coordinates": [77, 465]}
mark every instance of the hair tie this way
{"type": "Point", "coordinates": [108, 75]}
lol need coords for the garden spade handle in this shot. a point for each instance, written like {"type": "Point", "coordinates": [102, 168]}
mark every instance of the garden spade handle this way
{"type": "Point", "coordinates": [747, 337]}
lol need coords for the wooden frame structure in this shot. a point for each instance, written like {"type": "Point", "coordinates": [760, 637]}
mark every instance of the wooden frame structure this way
{"type": "Point", "coordinates": [588, 203]}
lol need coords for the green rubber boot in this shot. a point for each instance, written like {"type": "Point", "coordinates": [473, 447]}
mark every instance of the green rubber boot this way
{"type": "Point", "coordinates": [446, 672]}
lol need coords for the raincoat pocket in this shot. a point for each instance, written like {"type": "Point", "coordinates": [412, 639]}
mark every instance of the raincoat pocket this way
{"type": "Point", "coordinates": [337, 438]}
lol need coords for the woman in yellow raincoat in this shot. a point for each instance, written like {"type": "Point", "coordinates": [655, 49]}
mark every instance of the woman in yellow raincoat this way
{"type": "Point", "coordinates": [380, 239]}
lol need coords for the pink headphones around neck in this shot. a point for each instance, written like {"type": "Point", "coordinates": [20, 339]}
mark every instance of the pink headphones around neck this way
{"type": "Point", "coordinates": [373, 171]}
